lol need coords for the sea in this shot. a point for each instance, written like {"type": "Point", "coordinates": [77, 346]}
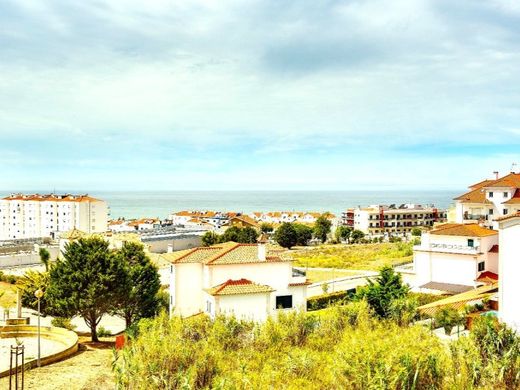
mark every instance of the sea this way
{"type": "Point", "coordinates": [162, 203]}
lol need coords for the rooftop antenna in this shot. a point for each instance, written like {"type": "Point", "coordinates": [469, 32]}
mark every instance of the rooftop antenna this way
{"type": "Point", "coordinates": [496, 174]}
{"type": "Point", "coordinates": [513, 167]}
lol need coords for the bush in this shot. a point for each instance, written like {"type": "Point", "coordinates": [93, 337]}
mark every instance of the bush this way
{"type": "Point", "coordinates": [448, 318]}
{"type": "Point", "coordinates": [326, 300]}
{"type": "Point", "coordinates": [63, 322]}
{"type": "Point", "coordinates": [102, 332]}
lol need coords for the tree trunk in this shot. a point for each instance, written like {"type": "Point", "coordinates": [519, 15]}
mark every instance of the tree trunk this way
{"type": "Point", "coordinates": [93, 331]}
{"type": "Point", "coordinates": [128, 320]}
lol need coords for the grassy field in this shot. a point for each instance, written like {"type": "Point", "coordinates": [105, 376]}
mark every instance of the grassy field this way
{"type": "Point", "coordinates": [316, 276]}
{"type": "Point", "coordinates": [358, 257]}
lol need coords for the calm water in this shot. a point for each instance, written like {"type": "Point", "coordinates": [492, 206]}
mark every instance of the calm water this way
{"type": "Point", "coordinates": [161, 204]}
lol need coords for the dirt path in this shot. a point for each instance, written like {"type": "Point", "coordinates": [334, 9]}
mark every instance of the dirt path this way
{"type": "Point", "coordinates": [88, 369]}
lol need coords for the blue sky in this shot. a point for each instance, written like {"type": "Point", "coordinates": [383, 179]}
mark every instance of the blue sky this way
{"type": "Point", "coordinates": [177, 95]}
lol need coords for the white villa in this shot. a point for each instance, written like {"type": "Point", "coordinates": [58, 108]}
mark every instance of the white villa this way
{"type": "Point", "coordinates": [489, 200]}
{"type": "Point", "coordinates": [509, 270]}
{"type": "Point", "coordinates": [244, 280]}
{"type": "Point", "coordinates": [452, 257]}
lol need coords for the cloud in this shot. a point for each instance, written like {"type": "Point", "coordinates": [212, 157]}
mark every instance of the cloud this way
{"type": "Point", "coordinates": [236, 86]}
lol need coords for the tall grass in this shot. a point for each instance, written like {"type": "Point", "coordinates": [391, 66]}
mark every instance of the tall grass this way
{"type": "Point", "coordinates": [342, 347]}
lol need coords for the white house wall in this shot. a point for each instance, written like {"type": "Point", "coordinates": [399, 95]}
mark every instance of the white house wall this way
{"type": "Point", "coordinates": [188, 289]}
{"type": "Point", "coordinates": [509, 271]}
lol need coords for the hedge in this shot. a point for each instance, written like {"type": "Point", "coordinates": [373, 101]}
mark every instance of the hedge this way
{"type": "Point", "coordinates": [322, 301]}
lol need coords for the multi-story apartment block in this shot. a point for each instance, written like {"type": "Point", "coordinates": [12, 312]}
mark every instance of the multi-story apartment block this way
{"type": "Point", "coordinates": [34, 216]}
{"type": "Point", "coordinates": [391, 220]}
{"type": "Point", "coordinates": [489, 200]}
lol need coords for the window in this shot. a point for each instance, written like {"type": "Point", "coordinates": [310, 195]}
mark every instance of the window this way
{"type": "Point", "coordinates": [490, 194]}
{"type": "Point", "coordinates": [506, 194]}
{"type": "Point", "coordinates": [284, 302]}
{"type": "Point", "coordinates": [208, 307]}
{"type": "Point", "coordinates": [471, 242]}
{"type": "Point", "coordinates": [490, 211]}
{"type": "Point", "coordinates": [505, 211]}
{"type": "Point", "coordinates": [481, 266]}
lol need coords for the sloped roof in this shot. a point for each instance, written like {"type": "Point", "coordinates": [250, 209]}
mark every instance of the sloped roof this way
{"type": "Point", "coordinates": [244, 219]}
{"type": "Point", "coordinates": [226, 253]}
{"type": "Point", "coordinates": [515, 199]}
{"type": "Point", "coordinates": [74, 234]}
{"type": "Point", "coordinates": [510, 180]}
{"type": "Point", "coordinates": [465, 230]}
{"type": "Point", "coordinates": [474, 196]}
{"type": "Point", "coordinates": [494, 249]}
{"type": "Point", "coordinates": [238, 287]}
{"type": "Point", "coordinates": [487, 277]}
{"type": "Point", "coordinates": [459, 301]}
{"type": "Point", "coordinates": [515, 215]}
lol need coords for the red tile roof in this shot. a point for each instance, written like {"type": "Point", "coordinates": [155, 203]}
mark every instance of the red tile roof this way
{"type": "Point", "coordinates": [460, 229]}
{"type": "Point", "coordinates": [241, 286]}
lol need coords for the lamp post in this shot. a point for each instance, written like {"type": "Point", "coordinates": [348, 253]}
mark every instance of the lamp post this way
{"type": "Point", "coordinates": [38, 294]}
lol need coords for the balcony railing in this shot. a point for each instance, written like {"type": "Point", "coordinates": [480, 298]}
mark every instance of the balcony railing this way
{"type": "Point", "coordinates": [475, 217]}
{"type": "Point", "coordinates": [297, 272]}
{"type": "Point", "coordinates": [449, 248]}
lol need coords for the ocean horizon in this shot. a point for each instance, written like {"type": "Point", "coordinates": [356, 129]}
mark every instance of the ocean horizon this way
{"type": "Point", "coordinates": [134, 204]}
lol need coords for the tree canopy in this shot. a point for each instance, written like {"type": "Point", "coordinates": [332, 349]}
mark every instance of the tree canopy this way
{"type": "Point", "coordinates": [303, 233]}
{"type": "Point", "coordinates": [322, 228]}
{"type": "Point", "coordinates": [342, 233]}
{"type": "Point", "coordinates": [87, 282]}
{"type": "Point", "coordinates": [286, 235]}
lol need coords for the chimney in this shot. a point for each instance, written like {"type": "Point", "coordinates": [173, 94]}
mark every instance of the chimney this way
{"type": "Point", "coordinates": [496, 175]}
{"type": "Point", "coordinates": [262, 252]}
{"type": "Point", "coordinates": [170, 248]}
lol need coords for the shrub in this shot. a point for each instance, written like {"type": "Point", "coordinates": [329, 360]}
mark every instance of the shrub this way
{"type": "Point", "coordinates": [63, 322]}
{"type": "Point", "coordinates": [102, 332]}
{"type": "Point", "coordinates": [326, 300]}
{"type": "Point", "coordinates": [448, 318]}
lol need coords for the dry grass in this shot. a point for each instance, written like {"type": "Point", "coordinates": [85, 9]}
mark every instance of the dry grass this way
{"type": "Point", "coordinates": [357, 257]}
{"type": "Point", "coordinates": [316, 276]}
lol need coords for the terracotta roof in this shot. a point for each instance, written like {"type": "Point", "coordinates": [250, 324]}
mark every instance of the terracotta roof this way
{"type": "Point", "coordinates": [487, 277]}
{"type": "Point", "coordinates": [244, 219]}
{"type": "Point", "coordinates": [74, 234]}
{"type": "Point", "coordinates": [51, 198]}
{"type": "Point", "coordinates": [306, 283]}
{"type": "Point", "coordinates": [480, 184]}
{"type": "Point", "coordinates": [466, 230]}
{"type": "Point", "coordinates": [515, 199]}
{"type": "Point", "coordinates": [226, 253]}
{"type": "Point", "coordinates": [241, 286]}
{"type": "Point", "coordinates": [459, 301]}
{"type": "Point", "coordinates": [474, 196]}
{"type": "Point", "coordinates": [515, 215]}
{"type": "Point", "coordinates": [494, 249]}
{"type": "Point", "coordinates": [511, 180]}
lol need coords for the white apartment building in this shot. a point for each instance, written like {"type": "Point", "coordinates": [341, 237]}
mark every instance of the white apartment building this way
{"type": "Point", "coordinates": [35, 216]}
{"type": "Point", "coordinates": [278, 217]}
{"type": "Point", "coordinates": [489, 200]}
{"type": "Point", "coordinates": [509, 270]}
{"type": "Point", "coordinates": [455, 255]}
{"type": "Point", "coordinates": [378, 220]}
{"type": "Point", "coordinates": [244, 280]}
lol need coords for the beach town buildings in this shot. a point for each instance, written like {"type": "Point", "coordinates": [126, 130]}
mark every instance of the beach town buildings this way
{"type": "Point", "coordinates": [38, 216]}
{"type": "Point", "coordinates": [453, 257]}
{"type": "Point", "coordinates": [509, 269]}
{"type": "Point", "coordinates": [489, 200]}
{"type": "Point", "coordinates": [279, 217]}
{"type": "Point", "coordinates": [380, 220]}
{"type": "Point", "coordinates": [244, 280]}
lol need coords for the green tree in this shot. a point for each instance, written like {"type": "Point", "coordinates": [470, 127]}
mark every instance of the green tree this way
{"type": "Point", "coordinates": [322, 227]}
{"type": "Point", "coordinates": [304, 234]}
{"type": "Point", "coordinates": [343, 233]}
{"type": "Point", "coordinates": [286, 235]}
{"type": "Point", "coordinates": [380, 294]}
{"type": "Point", "coordinates": [45, 257]}
{"type": "Point", "coordinates": [266, 227]}
{"type": "Point", "coordinates": [448, 318]}
{"type": "Point", "coordinates": [248, 235]}
{"type": "Point", "coordinates": [141, 286]}
{"type": "Point", "coordinates": [356, 236]}
{"type": "Point", "coordinates": [416, 232]}
{"type": "Point", "coordinates": [28, 284]}
{"type": "Point", "coordinates": [210, 238]}
{"type": "Point", "coordinates": [87, 282]}
{"type": "Point", "coordinates": [232, 233]}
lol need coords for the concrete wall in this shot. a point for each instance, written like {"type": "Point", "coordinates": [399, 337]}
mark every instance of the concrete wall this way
{"type": "Point", "coordinates": [178, 244]}
{"type": "Point", "coordinates": [509, 271]}
{"type": "Point", "coordinates": [22, 259]}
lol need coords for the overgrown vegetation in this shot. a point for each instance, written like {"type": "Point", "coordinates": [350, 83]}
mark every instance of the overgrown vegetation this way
{"type": "Point", "coordinates": [363, 257]}
{"type": "Point", "coordinates": [341, 347]}
{"type": "Point", "coordinates": [245, 235]}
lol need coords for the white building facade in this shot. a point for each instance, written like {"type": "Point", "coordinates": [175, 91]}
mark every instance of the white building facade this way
{"type": "Point", "coordinates": [489, 200]}
{"type": "Point", "coordinates": [455, 254]}
{"type": "Point", "coordinates": [234, 279]}
{"type": "Point", "coordinates": [509, 270]}
{"type": "Point", "coordinates": [378, 220]}
{"type": "Point", "coordinates": [37, 216]}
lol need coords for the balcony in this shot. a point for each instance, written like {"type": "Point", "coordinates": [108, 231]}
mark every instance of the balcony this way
{"type": "Point", "coordinates": [449, 248]}
{"type": "Point", "coordinates": [475, 217]}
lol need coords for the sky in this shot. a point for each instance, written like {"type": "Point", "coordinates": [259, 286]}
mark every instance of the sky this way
{"type": "Point", "coordinates": [257, 95]}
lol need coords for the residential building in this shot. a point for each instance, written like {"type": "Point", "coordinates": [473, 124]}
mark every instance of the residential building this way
{"type": "Point", "coordinates": [279, 217]}
{"type": "Point", "coordinates": [379, 220]}
{"type": "Point", "coordinates": [509, 269]}
{"type": "Point", "coordinates": [453, 256]}
{"type": "Point", "coordinates": [244, 280]}
{"type": "Point", "coordinates": [489, 200]}
{"type": "Point", "coordinates": [34, 216]}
